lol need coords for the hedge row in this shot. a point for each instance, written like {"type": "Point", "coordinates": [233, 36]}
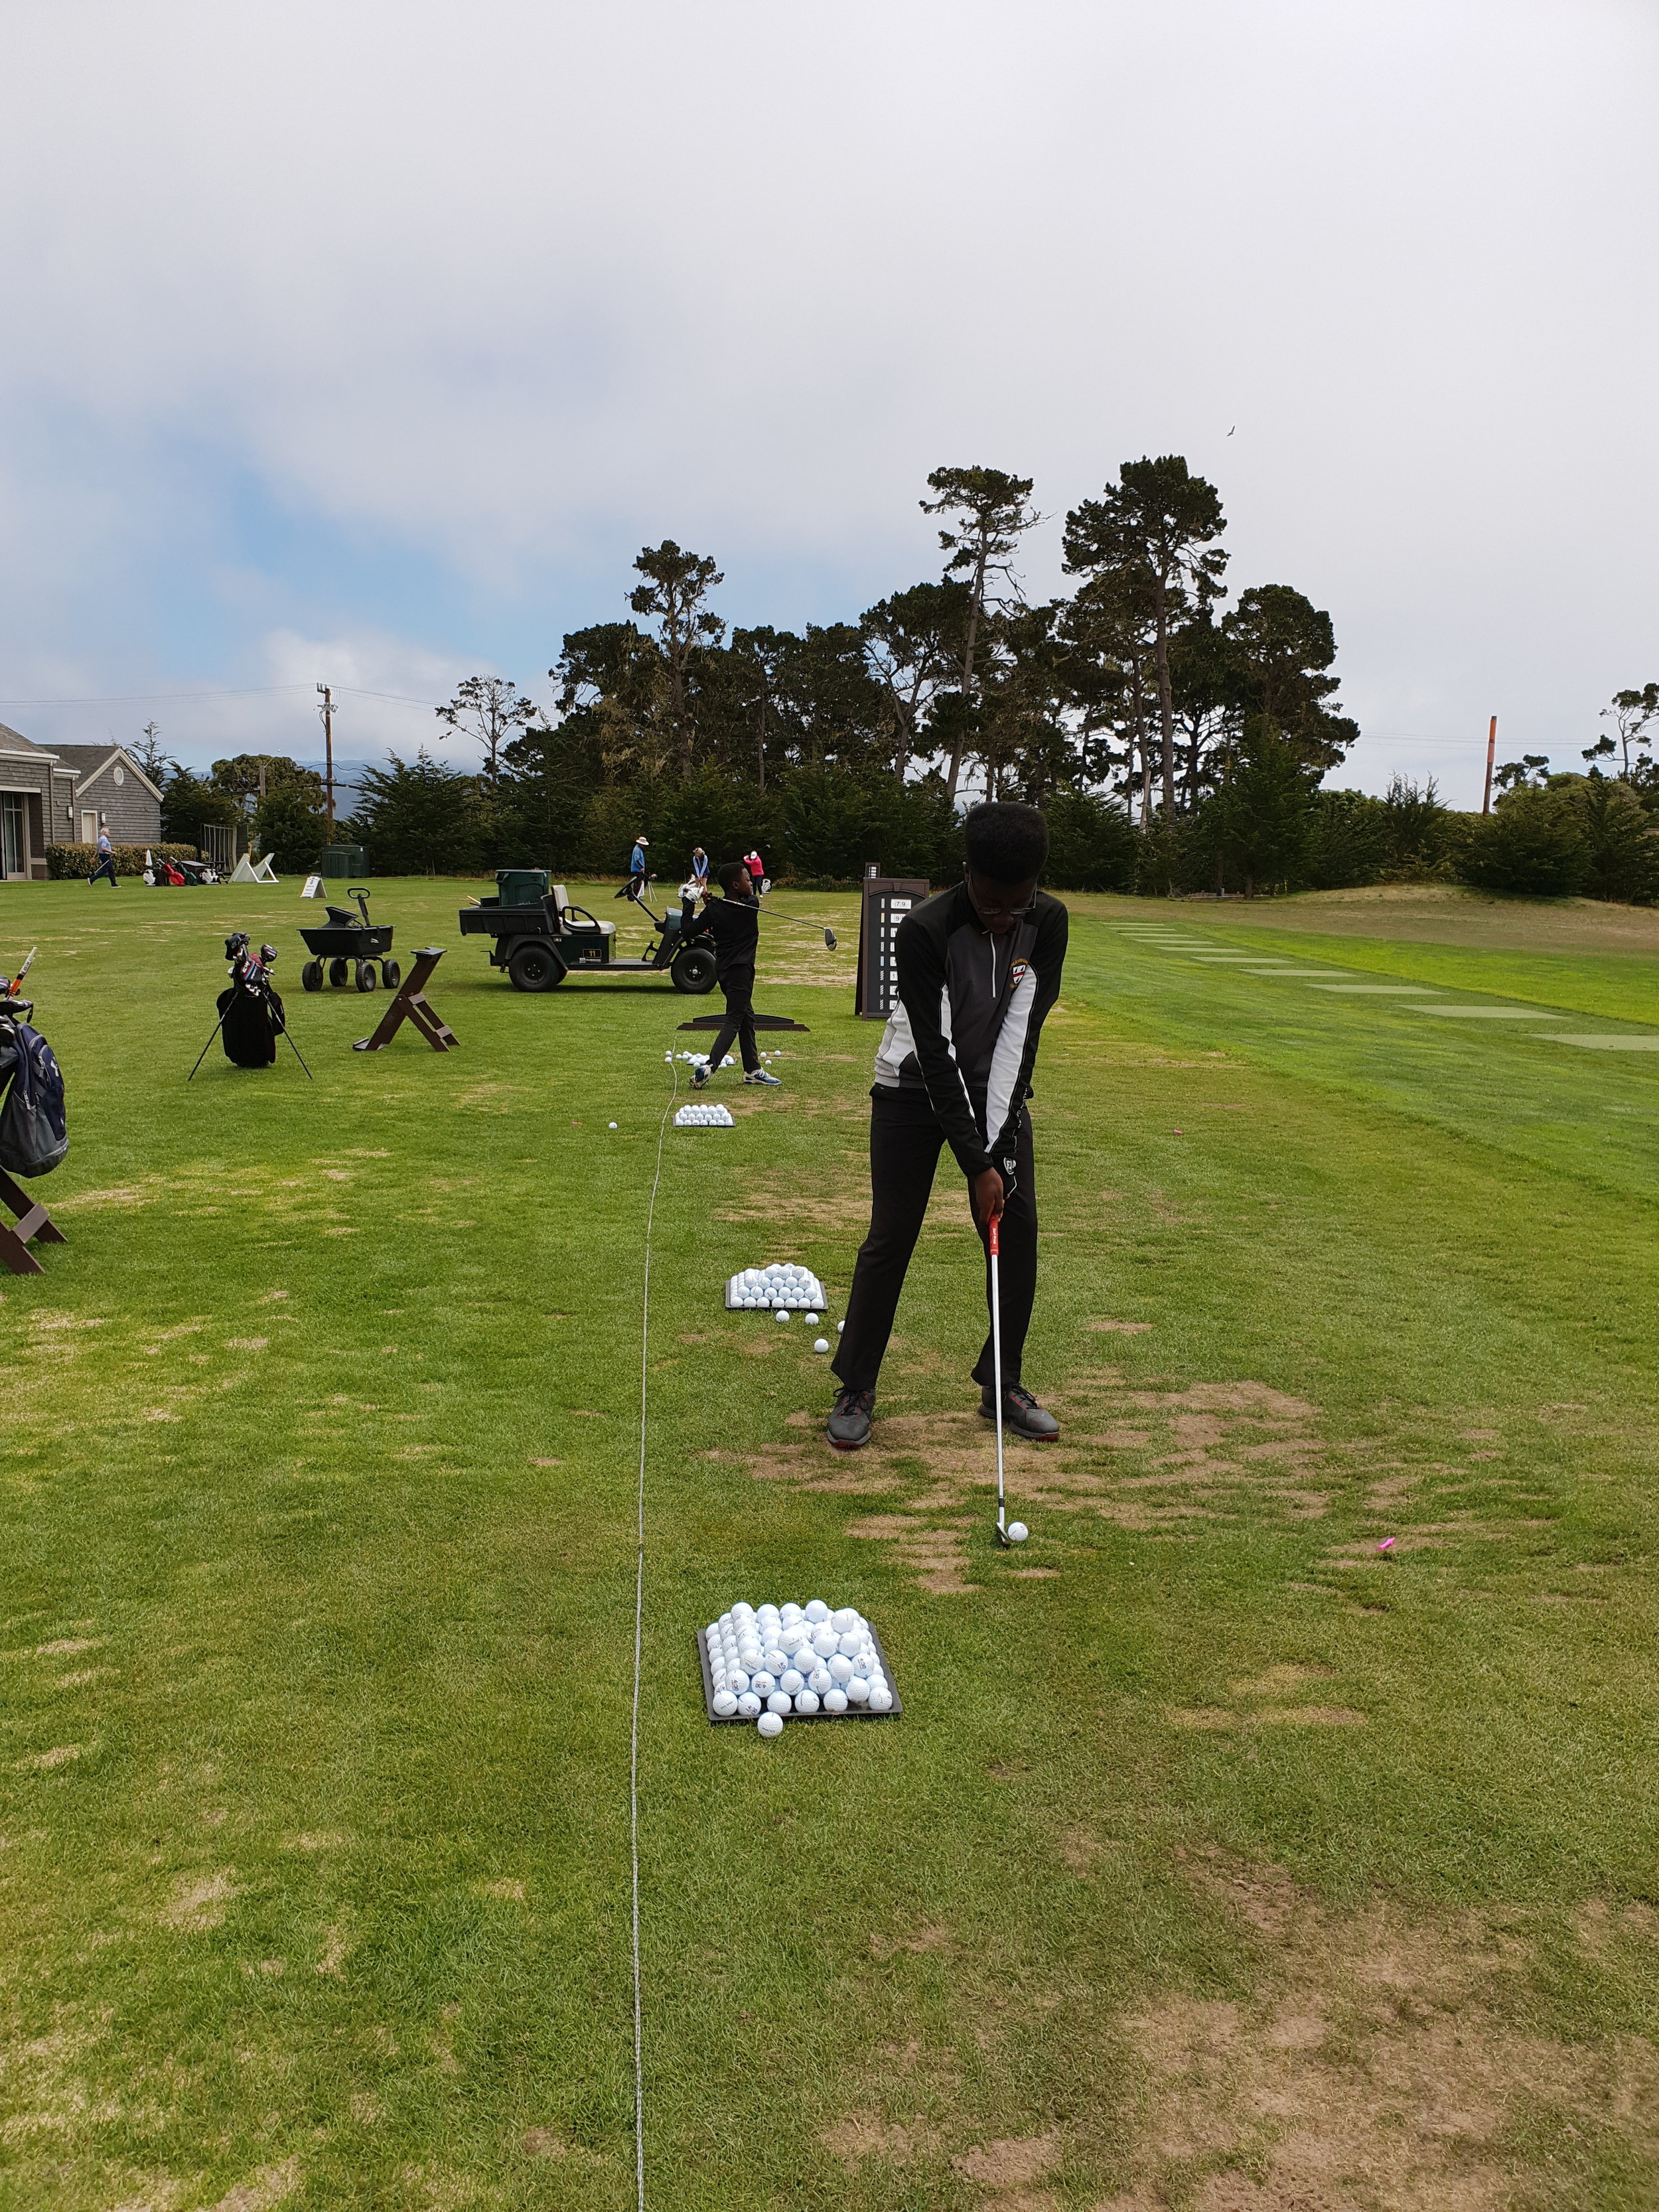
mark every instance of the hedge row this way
{"type": "Point", "coordinates": [65, 862]}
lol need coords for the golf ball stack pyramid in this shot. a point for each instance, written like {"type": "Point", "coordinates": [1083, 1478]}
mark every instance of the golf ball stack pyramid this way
{"type": "Point", "coordinates": [704, 1117]}
{"type": "Point", "coordinates": [771, 1663]}
{"type": "Point", "coordinates": [782, 1287]}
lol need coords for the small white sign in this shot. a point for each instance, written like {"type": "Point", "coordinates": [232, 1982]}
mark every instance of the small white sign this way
{"type": "Point", "coordinates": [313, 887]}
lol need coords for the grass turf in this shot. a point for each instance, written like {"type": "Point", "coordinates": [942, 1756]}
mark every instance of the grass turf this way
{"type": "Point", "coordinates": [1220, 1856]}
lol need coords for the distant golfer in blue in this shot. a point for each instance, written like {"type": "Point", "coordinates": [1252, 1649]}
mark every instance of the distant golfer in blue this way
{"type": "Point", "coordinates": [635, 883]}
{"type": "Point", "coordinates": [700, 867]}
{"type": "Point", "coordinates": [106, 861]}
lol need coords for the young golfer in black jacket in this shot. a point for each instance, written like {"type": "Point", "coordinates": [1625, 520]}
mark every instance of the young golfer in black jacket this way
{"type": "Point", "coordinates": [979, 967]}
{"type": "Point", "coordinates": [734, 921]}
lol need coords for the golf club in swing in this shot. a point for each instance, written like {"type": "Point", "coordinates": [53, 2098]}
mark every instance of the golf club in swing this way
{"type": "Point", "coordinates": [1006, 1535]}
{"type": "Point", "coordinates": [828, 935]}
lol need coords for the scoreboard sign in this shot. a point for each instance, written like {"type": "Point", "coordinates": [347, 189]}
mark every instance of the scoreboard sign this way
{"type": "Point", "coordinates": [887, 900]}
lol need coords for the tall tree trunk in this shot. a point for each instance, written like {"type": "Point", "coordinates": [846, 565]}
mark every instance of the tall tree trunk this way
{"type": "Point", "coordinates": [1165, 698]}
{"type": "Point", "coordinates": [976, 600]}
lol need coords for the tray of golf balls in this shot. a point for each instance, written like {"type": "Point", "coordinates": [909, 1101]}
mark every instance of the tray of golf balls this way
{"type": "Point", "coordinates": [771, 1663]}
{"type": "Point", "coordinates": [780, 1288]}
{"type": "Point", "coordinates": [704, 1117]}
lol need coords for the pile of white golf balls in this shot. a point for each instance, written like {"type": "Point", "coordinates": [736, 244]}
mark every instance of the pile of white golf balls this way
{"type": "Point", "coordinates": [782, 1287]}
{"type": "Point", "coordinates": [700, 1059]}
{"type": "Point", "coordinates": [704, 1117]}
{"type": "Point", "coordinates": [768, 1661]}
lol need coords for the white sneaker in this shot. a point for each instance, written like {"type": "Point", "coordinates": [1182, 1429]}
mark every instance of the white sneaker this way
{"type": "Point", "coordinates": [765, 1075]}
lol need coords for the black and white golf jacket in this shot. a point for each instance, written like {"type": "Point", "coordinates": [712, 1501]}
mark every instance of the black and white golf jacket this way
{"type": "Point", "coordinates": [971, 1008]}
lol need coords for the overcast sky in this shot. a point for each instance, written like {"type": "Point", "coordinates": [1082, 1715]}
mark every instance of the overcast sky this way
{"type": "Point", "coordinates": [369, 343]}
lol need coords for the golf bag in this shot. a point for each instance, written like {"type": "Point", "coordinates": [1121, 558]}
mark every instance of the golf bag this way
{"type": "Point", "coordinates": [34, 1125]}
{"type": "Point", "coordinates": [250, 1011]}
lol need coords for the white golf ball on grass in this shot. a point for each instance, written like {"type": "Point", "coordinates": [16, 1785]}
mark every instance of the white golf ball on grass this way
{"type": "Point", "coordinates": [770, 1725]}
{"type": "Point", "coordinates": [1017, 1532]}
{"type": "Point", "coordinates": [821, 1344]}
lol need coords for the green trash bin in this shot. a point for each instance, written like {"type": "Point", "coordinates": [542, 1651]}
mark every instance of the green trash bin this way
{"type": "Point", "coordinates": [521, 886]}
{"type": "Point", "coordinates": [342, 860]}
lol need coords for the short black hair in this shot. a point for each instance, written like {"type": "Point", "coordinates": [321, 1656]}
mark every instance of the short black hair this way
{"type": "Point", "coordinates": [1005, 842]}
{"type": "Point", "coordinates": [729, 872]}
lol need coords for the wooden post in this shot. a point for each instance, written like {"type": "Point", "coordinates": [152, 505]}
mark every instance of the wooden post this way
{"type": "Point", "coordinates": [33, 1221]}
{"type": "Point", "coordinates": [1491, 748]}
{"type": "Point", "coordinates": [326, 710]}
{"type": "Point", "coordinates": [411, 1006]}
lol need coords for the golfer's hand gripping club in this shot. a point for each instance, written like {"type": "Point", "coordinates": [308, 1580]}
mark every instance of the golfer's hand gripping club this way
{"type": "Point", "coordinates": [989, 1193]}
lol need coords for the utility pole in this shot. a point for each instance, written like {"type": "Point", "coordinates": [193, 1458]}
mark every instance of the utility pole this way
{"type": "Point", "coordinates": [326, 710]}
{"type": "Point", "coordinates": [1491, 748]}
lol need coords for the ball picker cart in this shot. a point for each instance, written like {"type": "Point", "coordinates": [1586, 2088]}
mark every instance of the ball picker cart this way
{"type": "Point", "coordinates": [349, 944]}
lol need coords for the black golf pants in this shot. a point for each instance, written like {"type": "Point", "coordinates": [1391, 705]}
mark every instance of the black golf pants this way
{"type": "Point", "coordinates": [105, 868]}
{"type": "Point", "coordinates": [739, 984]}
{"type": "Point", "coordinates": [905, 1141]}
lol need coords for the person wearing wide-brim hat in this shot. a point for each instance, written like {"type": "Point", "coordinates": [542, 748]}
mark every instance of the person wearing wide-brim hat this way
{"type": "Point", "coordinates": [636, 869]}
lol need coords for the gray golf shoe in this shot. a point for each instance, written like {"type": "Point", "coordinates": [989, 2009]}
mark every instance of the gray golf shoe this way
{"type": "Point", "coordinates": [848, 1428]}
{"type": "Point", "coordinates": [1022, 1416]}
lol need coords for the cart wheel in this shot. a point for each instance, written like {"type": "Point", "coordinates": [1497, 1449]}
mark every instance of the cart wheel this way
{"type": "Point", "coordinates": [310, 976]}
{"type": "Point", "coordinates": [366, 978]}
{"type": "Point", "coordinates": [535, 967]}
{"type": "Point", "coordinates": [336, 973]}
{"type": "Point", "coordinates": [693, 971]}
{"type": "Point", "coordinates": [391, 974]}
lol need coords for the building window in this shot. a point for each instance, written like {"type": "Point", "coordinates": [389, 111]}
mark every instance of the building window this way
{"type": "Point", "coordinates": [119, 777]}
{"type": "Point", "coordinates": [13, 843]}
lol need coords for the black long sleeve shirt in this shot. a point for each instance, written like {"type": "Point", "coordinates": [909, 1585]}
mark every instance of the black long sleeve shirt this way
{"type": "Point", "coordinates": [734, 925]}
{"type": "Point", "coordinates": [970, 1017]}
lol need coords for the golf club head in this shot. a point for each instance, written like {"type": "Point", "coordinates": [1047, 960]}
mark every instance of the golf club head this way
{"type": "Point", "coordinates": [829, 938]}
{"type": "Point", "coordinates": [1005, 1543]}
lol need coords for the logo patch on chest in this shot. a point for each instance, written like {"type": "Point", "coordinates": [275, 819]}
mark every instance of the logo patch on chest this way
{"type": "Point", "coordinates": [1017, 973]}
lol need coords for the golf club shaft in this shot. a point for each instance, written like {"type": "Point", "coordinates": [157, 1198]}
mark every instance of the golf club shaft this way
{"type": "Point", "coordinates": [996, 1356]}
{"type": "Point", "coordinates": [801, 922]}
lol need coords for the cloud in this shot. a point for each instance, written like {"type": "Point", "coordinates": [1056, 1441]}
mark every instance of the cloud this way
{"type": "Point", "coordinates": [418, 321]}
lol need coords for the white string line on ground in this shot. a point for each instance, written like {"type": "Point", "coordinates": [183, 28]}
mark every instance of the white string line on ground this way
{"type": "Point", "coordinates": [639, 1624]}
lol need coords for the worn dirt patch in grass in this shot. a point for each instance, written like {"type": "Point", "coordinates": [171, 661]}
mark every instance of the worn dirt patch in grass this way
{"type": "Point", "coordinates": [1210, 1452]}
{"type": "Point", "coordinates": [1385, 2061]}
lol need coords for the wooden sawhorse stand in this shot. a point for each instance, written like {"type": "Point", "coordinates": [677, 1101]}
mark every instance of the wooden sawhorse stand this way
{"type": "Point", "coordinates": [411, 1006]}
{"type": "Point", "coordinates": [32, 1220]}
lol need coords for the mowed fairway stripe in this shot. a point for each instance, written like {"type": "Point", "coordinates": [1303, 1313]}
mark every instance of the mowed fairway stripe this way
{"type": "Point", "coordinates": [1491, 1013]}
{"type": "Point", "coordinates": [1607, 1044]}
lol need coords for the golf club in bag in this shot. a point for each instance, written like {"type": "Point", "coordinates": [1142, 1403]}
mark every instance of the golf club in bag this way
{"type": "Point", "coordinates": [251, 1018]}
{"type": "Point", "coordinates": [1007, 1533]}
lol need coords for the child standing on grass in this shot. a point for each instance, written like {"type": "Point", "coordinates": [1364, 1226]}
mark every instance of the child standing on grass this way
{"type": "Point", "coordinates": [735, 923]}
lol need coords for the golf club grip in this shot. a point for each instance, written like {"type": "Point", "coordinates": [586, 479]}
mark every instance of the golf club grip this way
{"type": "Point", "coordinates": [991, 1228]}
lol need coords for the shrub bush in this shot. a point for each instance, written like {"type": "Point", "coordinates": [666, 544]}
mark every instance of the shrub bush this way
{"type": "Point", "coordinates": [65, 862]}
{"type": "Point", "coordinates": [1531, 842]}
{"type": "Point", "coordinates": [1092, 845]}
